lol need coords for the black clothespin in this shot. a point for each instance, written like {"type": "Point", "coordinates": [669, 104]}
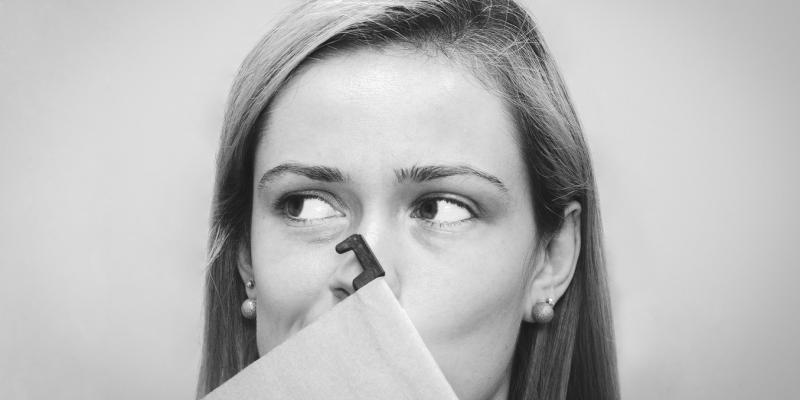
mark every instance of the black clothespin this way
{"type": "Point", "coordinates": [372, 268]}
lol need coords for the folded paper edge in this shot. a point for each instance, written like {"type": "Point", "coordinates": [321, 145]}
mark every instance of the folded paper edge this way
{"type": "Point", "coordinates": [373, 296]}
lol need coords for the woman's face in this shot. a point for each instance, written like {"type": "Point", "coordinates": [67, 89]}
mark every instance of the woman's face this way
{"type": "Point", "coordinates": [413, 153]}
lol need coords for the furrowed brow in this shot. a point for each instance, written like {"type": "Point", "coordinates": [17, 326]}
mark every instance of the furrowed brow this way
{"type": "Point", "coordinates": [314, 172]}
{"type": "Point", "coordinates": [427, 173]}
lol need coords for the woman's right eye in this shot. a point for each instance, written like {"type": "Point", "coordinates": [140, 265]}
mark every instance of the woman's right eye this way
{"type": "Point", "coordinates": [306, 208]}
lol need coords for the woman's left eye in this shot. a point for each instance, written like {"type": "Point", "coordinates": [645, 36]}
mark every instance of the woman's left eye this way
{"type": "Point", "coordinates": [442, 211]}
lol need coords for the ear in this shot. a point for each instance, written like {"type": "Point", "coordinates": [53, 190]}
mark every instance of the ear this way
{"type": "Point", "coordinates": [554, 265]}
{"type": "Point", "coordinates": [245, 266]}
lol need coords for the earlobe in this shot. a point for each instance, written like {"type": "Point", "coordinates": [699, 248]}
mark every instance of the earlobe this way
{"type": "Point", "coordinates": [245, 266]}
{"type": "Point", "coordinates": [556, 263]}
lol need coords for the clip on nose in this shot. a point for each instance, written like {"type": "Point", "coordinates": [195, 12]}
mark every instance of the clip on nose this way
{"type": "Point", "coordinates": [372, 268]}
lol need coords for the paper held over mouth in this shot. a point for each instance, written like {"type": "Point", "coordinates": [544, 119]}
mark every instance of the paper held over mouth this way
{"type": "Point", "coordinates": [364, 348]}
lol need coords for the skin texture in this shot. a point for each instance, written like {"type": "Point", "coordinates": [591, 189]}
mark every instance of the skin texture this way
{"type": "Point", "coordinates": [466, 273]}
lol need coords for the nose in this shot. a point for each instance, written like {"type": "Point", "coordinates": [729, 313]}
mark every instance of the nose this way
{"type": "Point", "coordinates": [341, 284]}
{"type": "Point", "coordinates": [362, 265]}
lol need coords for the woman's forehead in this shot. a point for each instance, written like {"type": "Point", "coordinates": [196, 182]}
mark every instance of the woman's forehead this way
{"type": "Point", "coordinates": [392, 108]}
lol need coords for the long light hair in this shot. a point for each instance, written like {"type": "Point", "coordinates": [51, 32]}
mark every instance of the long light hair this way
{"type": "Point", "coordinates": [573, 356]}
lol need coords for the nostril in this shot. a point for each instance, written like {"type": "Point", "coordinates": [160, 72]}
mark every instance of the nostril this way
{"type": "Point", "coordinates": [340, 293]}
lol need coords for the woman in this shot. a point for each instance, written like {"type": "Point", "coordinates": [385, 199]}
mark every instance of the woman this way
{"type": "Point", "coordinates": [442, 132]}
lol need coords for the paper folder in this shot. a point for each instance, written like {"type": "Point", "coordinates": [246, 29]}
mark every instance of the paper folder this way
{"type": "Point", "coordinates": [365, 347]}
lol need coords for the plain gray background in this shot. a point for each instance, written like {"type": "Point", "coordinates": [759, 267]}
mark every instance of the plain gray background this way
{"type": "Point", "coordinates": [109, 117]}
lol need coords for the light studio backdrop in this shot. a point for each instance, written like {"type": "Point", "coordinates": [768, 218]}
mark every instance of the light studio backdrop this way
{"type": "Point", "coordinates": [109, 117]}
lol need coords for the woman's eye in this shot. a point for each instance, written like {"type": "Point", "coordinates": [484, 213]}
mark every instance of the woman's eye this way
{"type": "Point", "coordinates": [442, 211]}
{"type": "Point", "coordinates": [308, 208]}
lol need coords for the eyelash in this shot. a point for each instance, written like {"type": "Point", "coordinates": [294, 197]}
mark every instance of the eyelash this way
{"type": "Point", "coordinates": [279, 206]}
{"type": "Point", "coordinates": [445, 225]}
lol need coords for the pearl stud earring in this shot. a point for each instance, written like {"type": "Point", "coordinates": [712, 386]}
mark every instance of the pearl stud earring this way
{"type": "Point", "coordinates": [249, 308]}
{"type": "Point", "coordinates": [543, 311]}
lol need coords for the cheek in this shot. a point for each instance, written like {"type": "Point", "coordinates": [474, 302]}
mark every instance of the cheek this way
{"type": "Point", "coordinates": [290, 279]}
{"type": "Point", "coordinates": [470, 314]}
{"type": "Point", "coordinates": [468, 287]}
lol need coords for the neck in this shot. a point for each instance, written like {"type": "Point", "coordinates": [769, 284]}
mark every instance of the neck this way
{"type": "Point", "coordinates": [501, 391]}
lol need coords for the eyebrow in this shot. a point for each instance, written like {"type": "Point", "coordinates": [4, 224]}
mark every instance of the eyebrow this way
{"type": "Point", "coordinates": [416, 174]}
{"type": "Point", "coordinates": [419, 174]}
{"type": "Point", "coordinates": [315, 172]}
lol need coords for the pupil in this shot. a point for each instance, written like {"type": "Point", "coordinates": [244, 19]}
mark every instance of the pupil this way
{"type": "Point", "coordinates": [428, 209]}
{"type": "Point", "coordinates": [294, 206]}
